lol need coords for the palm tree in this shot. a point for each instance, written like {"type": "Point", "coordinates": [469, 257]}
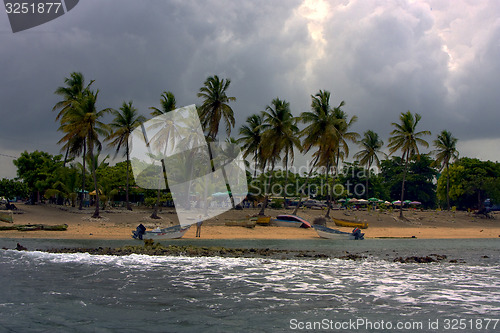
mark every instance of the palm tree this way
{"type": "Point", "coordinates": [320, 130]}
{"type": "Point", "coordinates": [446, 150]}
{"type": "Point", "coordinates": [82, 123]}
{"type": "Point", "coordinates": [250, 138]}
{"type": "Point", "coordinates": [406, 138]}
{"type": "Point", "coordinates": [341, 147]}
{"type": "Point", "coordinates": [126, 120]}
{"type": "Point", "coordinates": [278, 131]}
{"type": "Point", "coordinates": [368, 155]}
{"type": "Point", "coordinates": [165, 136]}
{"type": "Point", "coordinates": [290, 142]}
{"type": "Point", "coordinates": [74, 89]}
{"type": "Point", "coordinates": [167, 103]}
{"type": "Point", "coordinates": [215, 106]}
{"type": "Point", "coordinates": [319, 133]}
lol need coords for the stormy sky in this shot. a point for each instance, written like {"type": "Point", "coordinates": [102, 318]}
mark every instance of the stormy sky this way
{"type": "Point", "coordinates": [438, 58]}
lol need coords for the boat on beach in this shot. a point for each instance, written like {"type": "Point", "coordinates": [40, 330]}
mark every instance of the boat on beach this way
{"type": "Point", "coordinates": [250, 223]}
{"type": "Point", "coordinates": [329, 233]}
{"type": "Point", "coordinates": [173, 232]}
{"type": "Point", "coordinates": [290, 221]}
{"type": "Point", "coordinates": [6, 216]}
{"type": "Point", "coordinates": [351, 224]}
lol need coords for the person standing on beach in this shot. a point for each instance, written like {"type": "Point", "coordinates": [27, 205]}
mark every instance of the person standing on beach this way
{"type": "Point", "coordinates": [198, 226]}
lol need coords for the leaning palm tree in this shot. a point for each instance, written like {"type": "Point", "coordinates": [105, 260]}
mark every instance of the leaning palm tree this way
{"type": "Point", "coordinates": [165, 136]}
{"type": "Point", "coordinates": [406, 138]}
{"type": "Point", "coordinates": [126, 120]}
{"type": "Point", "coordinates": [250, 138]}
{"type": "Point", "coordinates": [446, 150]}
{"type": "Point", "coordinates": [368, 155]}
{"type": "Point", "coordinates": [278, 130]}
{"type": "Point", "coordinates": [215, 106]}
{"type": "Point", "coordinates": [82, 123]}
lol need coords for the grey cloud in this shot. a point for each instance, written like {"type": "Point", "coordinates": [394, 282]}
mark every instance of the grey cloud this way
{"type": "Point", "coordinates": [381, 58]}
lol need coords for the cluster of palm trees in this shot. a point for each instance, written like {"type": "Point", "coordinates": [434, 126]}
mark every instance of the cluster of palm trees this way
{"type": "Point", "coordinates": [268, 138]}
{"type": "Point", "coordinates": [273, 133]}
{"type": "Point", "coordinates": [83, 128]}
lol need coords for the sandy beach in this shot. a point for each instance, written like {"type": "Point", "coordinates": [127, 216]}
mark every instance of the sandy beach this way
{"type": "Point", "coordinates": [118, 224]}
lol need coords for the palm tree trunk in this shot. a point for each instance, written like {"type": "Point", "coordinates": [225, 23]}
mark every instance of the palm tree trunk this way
{"type": "Point", "coordinates": [266, 199]}
{"type": "Point", "coordinates": [224, 175]}
{"type": "Point", "coordinates": [367, 178]}
{"type": "Point", "coordinates": [333, 183]}
{"type": "Point", "coordinates": [255, 166]}
{"type": "Point", "coordinates": [94, 176]}
{"type": "Point", "coordinates": [155, 210]}
{"type": "Point", "coordinates": [403, 189]}
{"type": "Point", "coordinates": [66, 156]}
{"type": "Point", "coordinates": [447, 187]}
{"type": "Point", "coordinates": [82, 193]}
{"type": "Point", "coordinates": [128, 180]}
{"type": "Point", "coordinates": [328, 195]}
{"type": "Point", "coordinates": [154, 215]}
{"type": "Point", "coordinates": [285, 204]}
{"type": "Point", "coordinates": [330, 189]}
{"type": "Point", "coordinates": [304, 186]}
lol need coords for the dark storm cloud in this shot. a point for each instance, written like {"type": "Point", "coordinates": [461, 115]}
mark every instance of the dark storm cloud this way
{"type": "Point", "coordinates": [381, 58]}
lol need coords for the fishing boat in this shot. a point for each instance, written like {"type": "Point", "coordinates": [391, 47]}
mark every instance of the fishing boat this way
{"type": "Point", "coordinates": [290, 221]}
{"type": "Point", "coordinates": [174, 232]}
{"type": "Point", "coordinates": [263, 220]}
{"type": "Point", "coordinates": [6, 216]}
{"type": "Point", "coordinates": [325, 232]}
{"type": "Point", "coordinates": [351, 224]}
{"type": "Point", "coordinates": [250, 223]}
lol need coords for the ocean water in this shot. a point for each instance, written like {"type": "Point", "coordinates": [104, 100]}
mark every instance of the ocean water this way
{"type": "Point", "coordinates": [42, 292]}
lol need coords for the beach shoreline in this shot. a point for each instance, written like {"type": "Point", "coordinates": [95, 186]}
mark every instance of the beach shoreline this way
{"type": "Point", "coordinates": [119, 223]}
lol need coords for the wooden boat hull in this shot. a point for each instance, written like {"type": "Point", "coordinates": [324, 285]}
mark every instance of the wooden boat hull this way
{"type": "Point", "coordinates": [6, 216]}
{"type": "Point", "coordinates": [329, 233]}
{"type": "Point", "coordinates": [166, 233]}
{"type": "Point", "coordinates": [291, 221]}
{"type": "Point", "coordinates": [350, 224]}
{"type": "Point", "coordinates": [244, 223]}
{"type": "Point", "coordinates": [288, 224]}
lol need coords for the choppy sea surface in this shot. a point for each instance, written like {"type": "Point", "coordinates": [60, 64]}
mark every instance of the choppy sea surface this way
{"type": "Point", "coordinates": [42, 292]}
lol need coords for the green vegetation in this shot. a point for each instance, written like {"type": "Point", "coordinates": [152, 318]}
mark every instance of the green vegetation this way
{"type": "Point", "coordinates": [10, 188]}
{"type": "Point", "coordinates": [269, 139]}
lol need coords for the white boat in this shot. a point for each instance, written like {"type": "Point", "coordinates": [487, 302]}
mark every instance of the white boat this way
{"type": "Point", "coordinates": [174, 232]}
{"type": "Point", "coordinates": [290, 221]}
{"type": "Point", "coordinates": [325, 232]}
